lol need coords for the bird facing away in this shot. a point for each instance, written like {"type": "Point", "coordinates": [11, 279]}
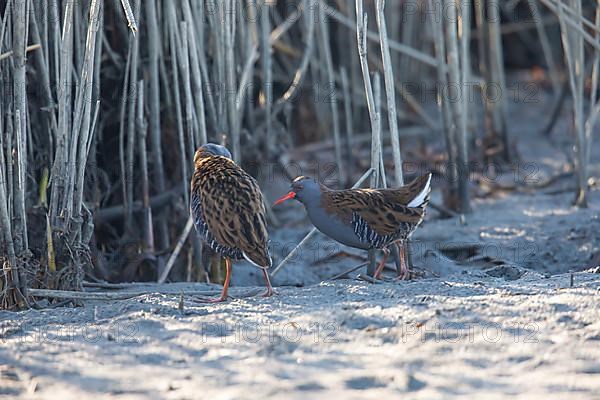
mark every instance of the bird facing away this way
{"type": "Point", "coordinates": [229, 212]}
{"type": "Point", "coordinates": [365, 218]}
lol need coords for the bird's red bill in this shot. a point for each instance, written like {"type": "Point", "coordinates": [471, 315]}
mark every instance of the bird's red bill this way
{"type": "Point", "coordinates": [288, 196]}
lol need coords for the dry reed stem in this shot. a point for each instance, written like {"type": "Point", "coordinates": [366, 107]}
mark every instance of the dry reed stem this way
{"type": "Point", "coordinates": [388, 75]}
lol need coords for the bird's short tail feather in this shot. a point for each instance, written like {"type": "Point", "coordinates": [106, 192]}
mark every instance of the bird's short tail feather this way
{"type": "Point", "coordinates": [267, 263]}
{"type": "Point", "coordinates": [422, 198]}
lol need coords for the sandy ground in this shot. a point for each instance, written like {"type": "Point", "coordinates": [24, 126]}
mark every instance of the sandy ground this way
{"type": "Point", "coordinates": [504, 321]}
{"type": "Point", "coordinates": [532, 338]}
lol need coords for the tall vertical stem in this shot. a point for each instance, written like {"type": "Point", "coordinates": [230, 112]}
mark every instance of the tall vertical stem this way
{"type": "Point", "coordinates": [19, 36]}
{"type": "Point", "coordinates": [388, 75]}
{"type": "Point", "coordinates": [267, 72]}
{"type": "Point", "coordinates": [154, 117]}
{"type": "Point", "coordinates": [323, 27]}
{"type": "Point", "coordinates": [458, 114]}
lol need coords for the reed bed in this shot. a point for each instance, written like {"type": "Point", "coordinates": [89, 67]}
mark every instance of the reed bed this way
{"type": "Point", "coordinates": [104, 102]}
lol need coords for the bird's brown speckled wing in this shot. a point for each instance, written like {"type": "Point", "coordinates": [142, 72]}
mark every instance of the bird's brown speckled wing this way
{"type": "Point", "coordinates": [384, 210]}
{"type": "Point", "coordinates": [232, 207]}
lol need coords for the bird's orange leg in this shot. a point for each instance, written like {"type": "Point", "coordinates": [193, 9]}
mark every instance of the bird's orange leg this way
{"type": "Point", "coordinates": [386, 253]}
{"type": "Point", "coordinates": [270, 292]}
{"type": "Point", "coordinates": [225, 286]}
{"type": "Point", "coordinates": [404, 273]}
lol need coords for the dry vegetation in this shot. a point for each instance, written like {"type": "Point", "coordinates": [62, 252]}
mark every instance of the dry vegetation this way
{"type": "Point", "coordinates": [104, 102]}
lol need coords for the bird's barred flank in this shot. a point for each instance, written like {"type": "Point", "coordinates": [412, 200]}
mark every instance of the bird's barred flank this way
{"type": "Point", "coordinates": [206, 236]}
{"type": "Point", "coordinates": [378, 241]}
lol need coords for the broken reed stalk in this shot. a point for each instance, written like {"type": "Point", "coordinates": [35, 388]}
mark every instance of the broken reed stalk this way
{"type": "Point", "coordinates": [107, 296]}
{"type": "Point", "coordinates": [346, 272]}
{"type": "Point", "coordinates": [310, 234]}
{"type": "Point", "coordinates": [388, 75]}
{"type": "Point", "coordinates": [180, 242]}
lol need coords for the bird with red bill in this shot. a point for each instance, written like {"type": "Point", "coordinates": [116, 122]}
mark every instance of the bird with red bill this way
{"type": "Point", "coordinates": [288, 196]}
{"type": "Point", "coordinates": [365, 218]}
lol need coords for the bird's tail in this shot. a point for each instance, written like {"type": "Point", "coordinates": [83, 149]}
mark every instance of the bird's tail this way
{"type": "Point", "coordinates": [422, 188]}
{"type": "Point", "coordinates": [259, 258]}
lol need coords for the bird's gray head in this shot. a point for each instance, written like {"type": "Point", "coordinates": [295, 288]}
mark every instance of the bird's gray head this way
{"type": "Point", "coordinates": [304, 189]}
{"type": "Point", "coordinates": [216, 150]}
{"type": "Point", "coordinates": [211, 150]}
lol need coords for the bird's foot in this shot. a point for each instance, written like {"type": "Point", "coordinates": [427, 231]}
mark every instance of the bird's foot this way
{"type": "Point", "coordinates": [405, 276]}
{"type": "Point", "coordinates": [219, 299]}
